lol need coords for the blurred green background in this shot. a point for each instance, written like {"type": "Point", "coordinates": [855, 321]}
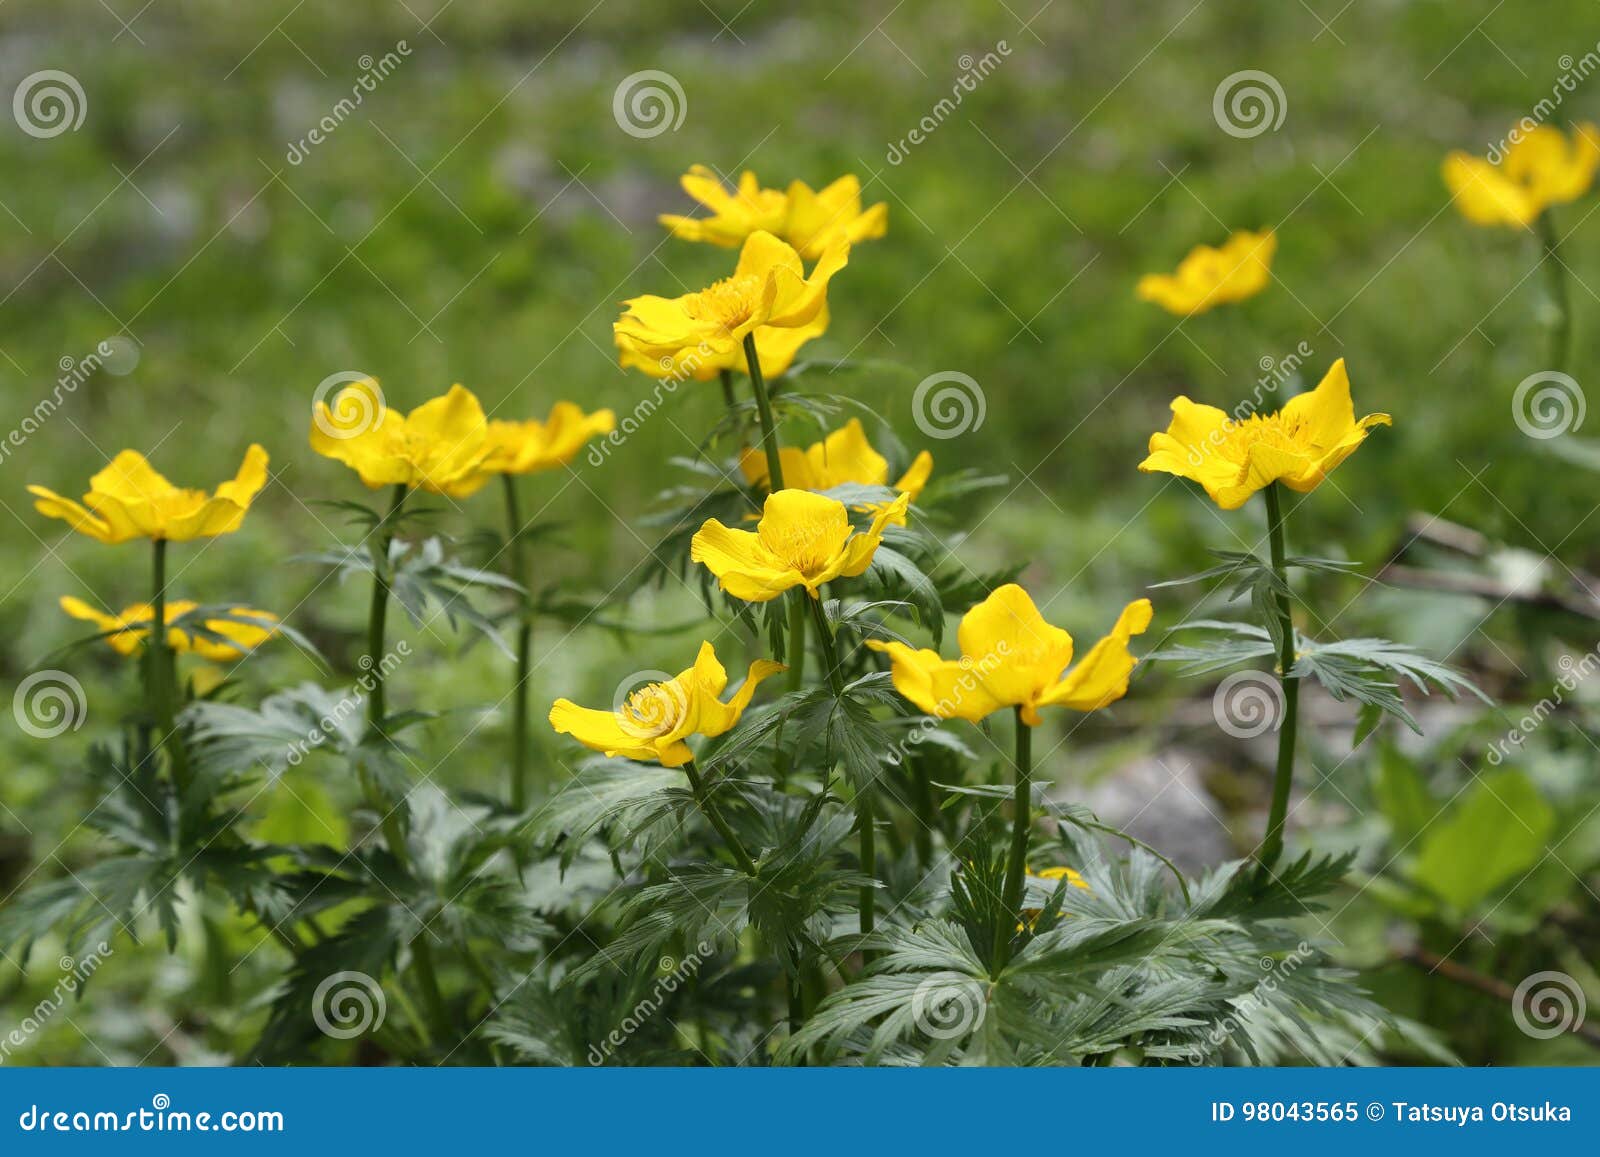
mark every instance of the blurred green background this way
{"type": "Point", "coordinates": [480, 215]}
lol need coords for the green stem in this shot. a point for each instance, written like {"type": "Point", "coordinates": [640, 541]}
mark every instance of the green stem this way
{"type": "Point", "coordinates": [161, 672]}
{"type": "Point", "coordinates": [1021, 824]}
{"type": "Point", "coordinates": [1556, 275]}
{"type": "Point", "coordinates": [865, 829]}
{"type": "Point", "coordinates": [517, 568]}
{"type": "Point", "coordinates": [393, 830]}
{"type": "Point", "coordinates": [729, 398]}
{"type": "Point", "coordinates": [1272, 844]}
{"type": "Point", "coordinates": [709, 809]}
{"type": "Point", "coordinates": [769, 443]}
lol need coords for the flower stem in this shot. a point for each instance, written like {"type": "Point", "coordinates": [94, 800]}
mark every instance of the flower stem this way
{"type": "Point", "coordinates": [1556, 275]}
{"type": "Point", "coordinates": [161, 674]}
{"type": "Point", "coordinates": [864, 809]}
{"type": "Point", "coordinates": [517, 567]}
{"type": "Point", "coordinates": [393, 831]}
{"type": "Point", "coordinates": [796, 655]}
{"type": "Point", "coordinates": [377, 616]}
{"type": "Point", "coordinates": [1021, 823]}
{"type": "Point", "coordinates": [1272, 844]}
{"type": "Point", "coordinates": [709, 809]}
{"type": "Point", "coordinates": [728, 397]}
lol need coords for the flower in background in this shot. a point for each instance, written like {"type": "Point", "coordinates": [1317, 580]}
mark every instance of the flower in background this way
{"type": "Point", "coordinates": [1011, 657]}
{"type": "Point", "coordinates": [1542, 168]}
{"type": "Point", "coordinates": [811, 220]}
{"type": "Point", "coordinates": [1209, 277]}
{"type": "Point", "coordinates": [734, 215]}
{"type": "Point", "coordinates": [844, 456]}
{"type": "Point", "coordinates": [439, 446]}
{"type": "Point", "coordinates": [701, 333]}
{"type": "Point", "coordinates": [128, 629]}
{"type": "Point", "coordinates": [822, 218]}
{"type": "Point", "coordinates": [802, 540]}
{"type": "Point", "coordinates": [531, 446]}
{"type": "Point", "coordinates": [655, 720]}
{"type": "Point", "coordinates": [1298, 445]}
{"type": "Point", "coordinates": [1053, 875]}
{"type": "Point", "coordinates": [129, 500]}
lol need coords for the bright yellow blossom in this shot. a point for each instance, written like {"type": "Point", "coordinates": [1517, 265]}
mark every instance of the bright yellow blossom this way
{"type": "Point", "coordinates": [128, 500]}
{"type": "Point", "coordinates": [809, 219]}
{"type": "Point", "coordinates": [1541, 168]}
{"type": "Point", "coordinates": [531, 446]}
{"type": "Point", "coordinates": [802, 540]}
{"type": "Point", "coordinates": [440, 446]}
{"type": "Point", "coordinates": [655, 720]}
{"type": "Point", "coordinates": [734, 215]}
{"type": "Point", "coordinates": [133, 625]}
{"type": "Point", "coordinates": [1298, 445]}
{"type": "Point", "coordinates": [1209, 277]}
{"type": "Point", "coordinates": [820, 218]}
{"type": "Point", "coordinates": [844, 456]}
{"type": "Point", "coordinates": [1011, 657]}
{"type": "Point", "coordinates": [702, 332]}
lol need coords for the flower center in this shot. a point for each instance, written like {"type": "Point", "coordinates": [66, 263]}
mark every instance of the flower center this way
{"type": "Point", "coordinates": [1278, 431]}
{"type": "Point", "coordinates": [651, 711]}
{"type": "Point", "coordinates": [730, 302]}
{"type": "Point", "coordinates": [807, 546]}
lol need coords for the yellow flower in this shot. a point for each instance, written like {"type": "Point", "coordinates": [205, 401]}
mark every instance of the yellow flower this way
{"type": "Point", "coordinates": [531, 446]}
{"type": "Point", "coordinates": [1540, 169]}
{"type": "Point", "coordinates": [655, 720]}
{"type": "Point", "coordinates": [439, 446]}
{"type": "Point", "coordinates": [844, 456]}
{"type": "Point", "coordinates": [819, 219]}
{"type": "Point", "coordinates": [128, 500]}
{"type": "Point", "coordinates": [1031, 915]}
{"type": "Point", "coordinates": [810, 220]}
{"type": "Point", "coordinates": [1011, 657]}
{"type": "Point", "coordinates": [700, 333]}
{"type": "Point", "coordinates": [802, 540]}
{"type": "Point", "coordinates": [734, 216]}
{"type": "Point", "coordinates": [1298, 445]}
{"type": "Point", "coordinates": [776, 347]}
{"type": "Point", "coordinates": [1209, 277]}
{"type": "Point", "coordinates": [133, 624]}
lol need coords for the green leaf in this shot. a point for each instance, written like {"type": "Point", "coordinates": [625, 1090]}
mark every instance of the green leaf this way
{"type": "Point", "coordinates": [1496, 832]}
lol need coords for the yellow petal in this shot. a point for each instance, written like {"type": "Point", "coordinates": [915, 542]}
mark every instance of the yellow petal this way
{"type": "Point", "coordinates": [744, 567]}
{"type": "Point", "coordinates": [599, 731]}
{"type": "Point", "coordinates": [1007, 639]}
{"type": "Point", "coordinates": [52, 505]}
{"type": "Point", "coordinates": [1102, 676]}
{"type": "Point", "coordinates": [846, 456]}
{"type": "Point", "coordinates": [940, 687]}
{"type": "Point", "coordinates": [915, 479]}
{"type": "Point", "coordinates": [453, 435]}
